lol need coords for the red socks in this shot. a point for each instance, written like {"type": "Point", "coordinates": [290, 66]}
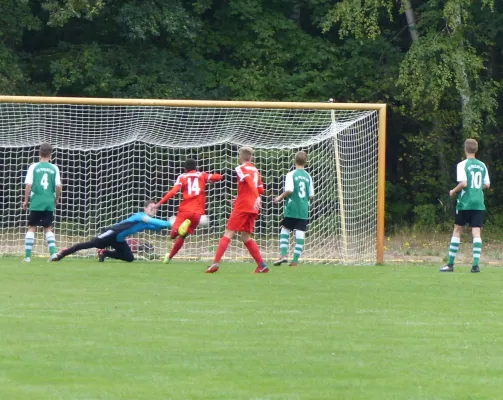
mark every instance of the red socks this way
{"type": "Point", "coordinates": [254, 251]}
{"type": "Point", "coordinates": [250, 245]}
{"type": "Point", "coordinates": [222, 247]}
{"type": "Point", "coordinates": [177, 246]}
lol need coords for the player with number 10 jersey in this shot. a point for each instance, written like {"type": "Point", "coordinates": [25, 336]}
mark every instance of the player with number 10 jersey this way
{"type": "Point", "coordinates": [474, 172]}
{"type": "Point", "coordinates": [473, 178]}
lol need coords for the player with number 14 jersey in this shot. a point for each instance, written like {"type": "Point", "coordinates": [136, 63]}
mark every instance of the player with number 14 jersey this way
{"type": "Point", "coordinates": [192, 183]}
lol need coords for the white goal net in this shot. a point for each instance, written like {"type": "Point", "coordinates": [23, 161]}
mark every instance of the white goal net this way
{"type": "Point", "coordinates": [113, 158]}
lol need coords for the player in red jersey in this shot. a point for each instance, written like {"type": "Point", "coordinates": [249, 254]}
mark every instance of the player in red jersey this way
{"type": "Point", "coordinates": [193, 205]}
{"type": "Point", "coordinates": [246, 209]}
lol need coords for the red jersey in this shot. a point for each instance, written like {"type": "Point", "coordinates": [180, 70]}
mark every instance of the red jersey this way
{"type": "Point", "coordinates": [193, 185]}
{"type": "Point", "coordinates": [249, 188]}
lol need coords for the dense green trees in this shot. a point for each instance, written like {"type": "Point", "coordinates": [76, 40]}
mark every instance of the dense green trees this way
{"type": "Point", "coordinates": [437, 63]}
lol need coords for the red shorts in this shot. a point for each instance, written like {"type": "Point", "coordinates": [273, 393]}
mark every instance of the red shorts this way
{"type": "Point", "coordinates": [242, 222]}
{"type": "Point", "coordinates": [194, 222]}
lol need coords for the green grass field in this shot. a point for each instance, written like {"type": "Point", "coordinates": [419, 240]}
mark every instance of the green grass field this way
{"type": "Point", "coordinates": [83, 330]}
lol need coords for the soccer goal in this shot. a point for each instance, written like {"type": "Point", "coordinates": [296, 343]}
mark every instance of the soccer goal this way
{"type": "Point", "coordinates": [115, 153]}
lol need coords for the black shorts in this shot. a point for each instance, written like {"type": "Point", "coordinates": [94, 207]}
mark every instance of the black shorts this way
{"type": "Point", "coordinates": [107, 238]}
{"type": "Point", "coordinates": [41, 218]}
{"type": "Point", "coordinates": [295, 224]}
{"type": "Point", "coordinates": [474, 218]}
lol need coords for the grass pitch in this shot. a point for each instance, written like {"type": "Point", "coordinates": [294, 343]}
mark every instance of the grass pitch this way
{"type": "Point", "coordinates": [83, 330]}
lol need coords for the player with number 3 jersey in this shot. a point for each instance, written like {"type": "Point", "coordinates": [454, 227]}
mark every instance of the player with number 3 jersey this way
{"type": "Point", "coordinates": [246, 209]}
{"type": "Point", "coordinates": [192, 183]}
{"type": "Point", "coordinates": [299, 192]}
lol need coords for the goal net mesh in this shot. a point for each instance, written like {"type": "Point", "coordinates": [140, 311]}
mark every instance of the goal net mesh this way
{"type": "Point", "coordinates": [113, 158]}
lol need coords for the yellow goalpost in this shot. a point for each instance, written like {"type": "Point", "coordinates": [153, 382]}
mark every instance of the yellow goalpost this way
{"type": "Point", "coordinates": [346, 144]}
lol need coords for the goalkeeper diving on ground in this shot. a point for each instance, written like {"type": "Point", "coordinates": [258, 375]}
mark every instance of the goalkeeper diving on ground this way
{"type": "Point", "coordinates": [115, 236]}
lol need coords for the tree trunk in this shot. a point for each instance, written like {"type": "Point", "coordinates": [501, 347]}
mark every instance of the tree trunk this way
{"type": "Point", "coordinates": [463, 83]}
{"type": "Point", "coordinates": [411, 20]}
{"type": "Point", "coordinates": [295, 12]}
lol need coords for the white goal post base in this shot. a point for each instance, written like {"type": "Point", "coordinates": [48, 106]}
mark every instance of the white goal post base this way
{"type": "Point", "coordinates": [114, 154]}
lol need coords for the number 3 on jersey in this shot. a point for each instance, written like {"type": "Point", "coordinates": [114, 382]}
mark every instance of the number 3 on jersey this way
{"type": "Point", "coordinates": [302, 190]}
{"type": "Point", "coordinates": [193, 187]}
{"type": "Point", "coordinates": [44, 182]}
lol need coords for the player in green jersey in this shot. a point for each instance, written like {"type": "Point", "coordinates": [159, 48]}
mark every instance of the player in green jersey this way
{"type": "Point", "coordinates": [299, 191]}
{"type": "Point", "coordinates": [42, 193]}
{"type": "Point", "coordinates": [473, 178]}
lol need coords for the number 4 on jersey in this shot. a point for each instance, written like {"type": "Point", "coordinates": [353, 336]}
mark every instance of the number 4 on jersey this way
{"type": "Point", "coordinates": [44, 182]}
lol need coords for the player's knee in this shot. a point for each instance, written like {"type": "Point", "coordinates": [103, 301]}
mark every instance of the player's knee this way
{"type": "Point", "coordinates": [173, 234]}
{"type": "Point", "coordinates": [458, 230]}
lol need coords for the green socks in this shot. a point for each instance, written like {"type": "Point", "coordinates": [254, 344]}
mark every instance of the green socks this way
{"type": "Point", "coordinates": [477, 249]}
{"type": "Point", "coordinates": [284, 241]}
{"type": "Point", "coordinates": [29, 240]}
{"type": "Point", "coordinates": [453, 249]}
{"type": "Point", "coordinates": [299, 245]}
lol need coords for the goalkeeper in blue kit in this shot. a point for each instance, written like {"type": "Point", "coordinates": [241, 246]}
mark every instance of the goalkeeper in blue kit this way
{"type": "Point", "coordinates": [115, 236]}
{"type": "Point", "coordinates": [299, 191]}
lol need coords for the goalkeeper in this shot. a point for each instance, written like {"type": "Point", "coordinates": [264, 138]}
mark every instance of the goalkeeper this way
{"type": "Point", "coordinates": [115, 236]}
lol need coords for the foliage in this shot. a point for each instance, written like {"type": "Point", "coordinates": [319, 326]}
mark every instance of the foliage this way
{"type": "Point", "coordinates": [441, 88]}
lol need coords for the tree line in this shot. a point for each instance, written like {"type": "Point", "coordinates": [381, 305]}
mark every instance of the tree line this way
{"type": "Point", "coordinates": [437, 63]}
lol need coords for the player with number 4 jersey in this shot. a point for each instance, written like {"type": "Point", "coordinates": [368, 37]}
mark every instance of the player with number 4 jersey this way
{"type": "Point", "coordinates": [473, 178]}
{"type": "Point", "coordinates": [193, 205]}
{"type": "Point", "coordinates": [42, 193]}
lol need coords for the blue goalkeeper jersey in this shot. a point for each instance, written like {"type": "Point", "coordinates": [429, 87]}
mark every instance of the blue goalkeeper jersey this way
{"type": "Point", "coordinates": [137, 223]}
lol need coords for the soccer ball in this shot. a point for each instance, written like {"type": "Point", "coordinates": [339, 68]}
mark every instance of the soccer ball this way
{"type": "Point", "coordinates": [204, 220]}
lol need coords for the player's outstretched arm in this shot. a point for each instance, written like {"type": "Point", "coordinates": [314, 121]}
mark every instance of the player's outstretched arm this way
{"type": "Point", "coordinates": [215, 178]}
{"type": "Point", "coordinates": [169, 195]}
{"type": "Point", "coordinates": [155, 224]}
